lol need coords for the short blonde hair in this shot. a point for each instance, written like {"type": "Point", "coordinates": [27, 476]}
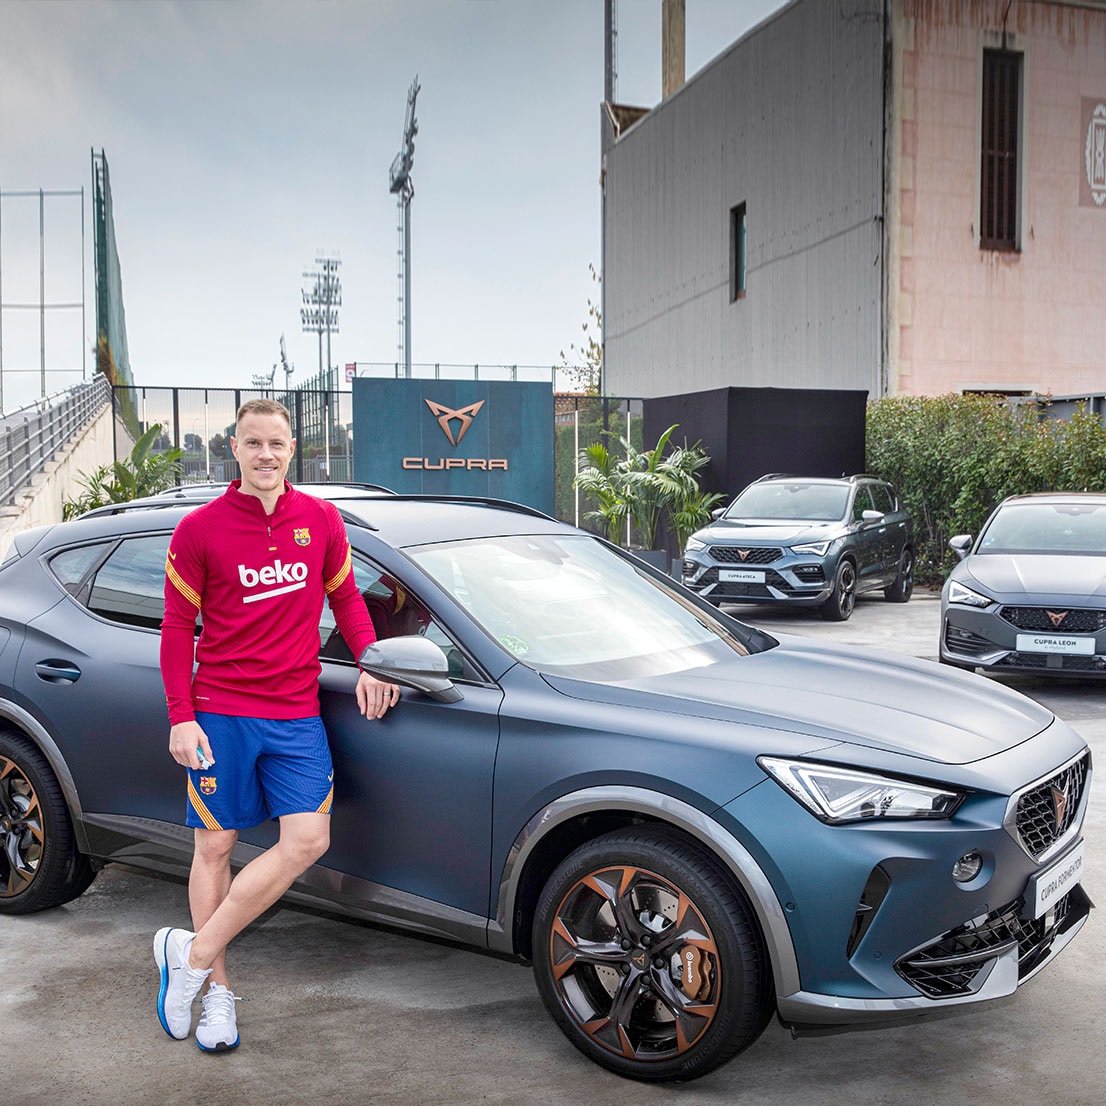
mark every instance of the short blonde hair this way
{"type": "Point", "coordinates": [263, 407]}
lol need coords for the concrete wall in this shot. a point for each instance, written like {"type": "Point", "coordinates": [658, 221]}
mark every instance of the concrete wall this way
{"type": "Point", "coordinates": [788, 121]}
{"type": "Point", "coordinates": [961, 317]}
{"type": "Point", "coordinates": [41, 503]}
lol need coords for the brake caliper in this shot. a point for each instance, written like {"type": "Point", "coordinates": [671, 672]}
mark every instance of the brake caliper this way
{"type": "Point", "coordinates": [694, 972]}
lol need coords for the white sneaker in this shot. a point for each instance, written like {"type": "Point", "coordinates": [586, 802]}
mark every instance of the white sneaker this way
{"type": "Point", "coordinates": [179, 983]}
{"type": "Point", "coordinates": [218, 1028]}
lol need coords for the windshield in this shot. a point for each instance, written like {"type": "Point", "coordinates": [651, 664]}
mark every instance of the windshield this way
{"type": "Point", "coordinates": [791, 500]}
{"type": "Point", "coordinates": [567, 605]}
{"type": "Point", "coordinates": [1047, 528]}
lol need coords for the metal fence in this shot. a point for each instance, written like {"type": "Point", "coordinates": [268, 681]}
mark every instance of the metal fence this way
{"type": "Point", "coordinates": [32, 435]}
{"type": "Point", "coordinates": [200, 421]}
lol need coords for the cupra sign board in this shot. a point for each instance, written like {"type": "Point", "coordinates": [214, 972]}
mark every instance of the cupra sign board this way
{"type": "Point", "coordinates": [456, 437]}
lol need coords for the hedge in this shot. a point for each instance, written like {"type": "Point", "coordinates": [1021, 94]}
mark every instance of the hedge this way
{"type": "Point", "coordinates": [953, 458]}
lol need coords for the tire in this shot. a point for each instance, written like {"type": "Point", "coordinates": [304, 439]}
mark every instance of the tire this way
{"type": "Point", "coordinates": [902, 587]}
{"type": "Point", "coordinates": [40, 866]}
{"type": "Point", "coordinates": [666, 998]}
{"type": "Point", "coordinates": [842, 599]}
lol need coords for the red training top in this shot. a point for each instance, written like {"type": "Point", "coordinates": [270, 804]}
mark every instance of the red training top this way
{"type": "Point", "coordinates": [258, 581]}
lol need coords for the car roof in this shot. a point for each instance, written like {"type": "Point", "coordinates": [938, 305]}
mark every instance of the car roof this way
{"type": "Point", "coordinates": [1054, 497]}
{"type": "Point", "coordinates": [204, 493]}
{"type": "Point", "coordinates": [401, 520]}
{"type": "Point", "coordinates": [784, 477]}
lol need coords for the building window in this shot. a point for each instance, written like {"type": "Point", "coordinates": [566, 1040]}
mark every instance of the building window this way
{"type": "Point", "coordinates": [998, 201]}
{"type": "Point", "coordinates": [737, 253]}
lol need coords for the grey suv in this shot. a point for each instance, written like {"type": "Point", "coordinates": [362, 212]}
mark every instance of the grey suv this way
{"type": "Point", "coordinates": [805, 541]}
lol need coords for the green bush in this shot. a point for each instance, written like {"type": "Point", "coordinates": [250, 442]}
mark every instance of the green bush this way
{"type": "Point", "coordinates": [953, 458]}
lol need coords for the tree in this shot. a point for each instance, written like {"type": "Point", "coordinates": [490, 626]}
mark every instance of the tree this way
{"type": "Point", "coordinates": [193, 443]}
{"type": "Point", "coordinates": [586, 370]}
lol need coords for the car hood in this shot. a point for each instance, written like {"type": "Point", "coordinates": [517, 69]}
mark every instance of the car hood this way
{"type": "Point", "coordinates": [842, 694]}
{"type": "Point", "coordinates": [1053, 574]}
{"type": "Point", "coordinates": [784, 531]}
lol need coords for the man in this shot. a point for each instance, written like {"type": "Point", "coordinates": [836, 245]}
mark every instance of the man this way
{"type": "Point", "coordinates": [256, 564]}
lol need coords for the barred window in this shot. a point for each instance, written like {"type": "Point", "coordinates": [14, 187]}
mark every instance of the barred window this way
{"type": "Point", "coordinates": [998, 202]}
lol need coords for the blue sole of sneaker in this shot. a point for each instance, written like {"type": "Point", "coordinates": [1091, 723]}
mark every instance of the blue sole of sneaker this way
{"type": "Point", "coordinates": [220, 1047]}
{"type": "Point", "coordinates": [161, 939]}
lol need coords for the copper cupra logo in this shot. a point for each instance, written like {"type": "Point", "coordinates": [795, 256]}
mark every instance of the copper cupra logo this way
{"type": "Point", "coordinates": [744, 553]}
{"type": "Point", "coordinates": [1060, 806]}
{"type": "Point", "coordinates": [446, 415]}
{"type": "Point", "coordinates": [1056, 617]}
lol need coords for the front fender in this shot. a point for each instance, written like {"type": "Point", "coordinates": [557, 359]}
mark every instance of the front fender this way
{"type": "Point", "coordinates": [736, 859]}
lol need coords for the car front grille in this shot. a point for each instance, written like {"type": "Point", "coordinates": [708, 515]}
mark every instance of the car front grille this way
{"type": "Point", "coordinates": [732, 554]}
{"type": "Point", "coordinates": [1073, 622]}
{"type": "Point", "coordinates": [1044, 813]}
{"type": "Point", "coordinates": [949, 966]}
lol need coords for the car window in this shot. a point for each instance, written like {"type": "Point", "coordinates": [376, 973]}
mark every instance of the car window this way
{"type": "Point", "coordinates": [862, 503]}
{"type": "Point", "coordinates": [791, 499]}
{"type": "Point", "coordinates": [395, 612]}
{"type": "Point", "coordinates": [567, 605]}
{"type": "Point", "coordinates": [130, 585]}
{"type": "Point", "coordinates": [1078, 528]}
{"type": "Point", "coordinates": [881, 497]}
{"type": "Point", "coordinates": [70, 566]}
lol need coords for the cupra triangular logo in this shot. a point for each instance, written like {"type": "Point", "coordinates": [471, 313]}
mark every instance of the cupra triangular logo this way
{"type": "Point", "coordinates": [445, 416]}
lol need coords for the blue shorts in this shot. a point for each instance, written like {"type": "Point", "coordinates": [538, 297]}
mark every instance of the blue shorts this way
{"type": "Point", "coordinates": [264, 768]}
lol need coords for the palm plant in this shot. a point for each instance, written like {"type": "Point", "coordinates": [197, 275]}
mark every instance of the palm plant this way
{"type": "Point", "coordinates": [599, 477]}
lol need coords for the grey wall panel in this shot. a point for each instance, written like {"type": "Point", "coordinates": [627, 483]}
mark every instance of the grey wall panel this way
{"type": "Point", "coordinates": [788, 121]}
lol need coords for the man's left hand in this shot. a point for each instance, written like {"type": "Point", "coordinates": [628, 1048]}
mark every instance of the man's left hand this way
{"type": "Point", "coordinates": [375, 697]}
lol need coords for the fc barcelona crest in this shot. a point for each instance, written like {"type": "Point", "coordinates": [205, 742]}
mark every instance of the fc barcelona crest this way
{"type": "Point", "coordinates": [303, 537]}
{"type": "Point", "coordinates": [207, 785]}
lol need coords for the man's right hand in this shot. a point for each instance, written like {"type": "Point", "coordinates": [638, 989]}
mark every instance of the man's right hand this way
{"type": "Point", "coordinates": [185, 738]}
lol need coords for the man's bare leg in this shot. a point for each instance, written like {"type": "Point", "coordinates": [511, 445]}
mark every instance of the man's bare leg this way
{"type": "Point", "coordinates": [303, 839]}
{"type": "Point", "coordinates": [208, 885]}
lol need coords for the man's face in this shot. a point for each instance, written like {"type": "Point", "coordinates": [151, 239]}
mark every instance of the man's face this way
{"type": "Point", "coordinates": [263, 447]}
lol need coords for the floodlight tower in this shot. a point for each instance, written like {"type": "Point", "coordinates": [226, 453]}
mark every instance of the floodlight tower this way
{"type": "Point", "coordinates": [319, 313]}
{"type": "Point", "coordinates": [400, 183]}
{"type": "Point", "coordinates": [288, 368]}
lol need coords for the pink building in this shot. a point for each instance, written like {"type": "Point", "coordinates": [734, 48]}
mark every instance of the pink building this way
{"type": "Point", "coordinates": [888, 196]}
{"type": "Point", "coordinates": [996, 197]}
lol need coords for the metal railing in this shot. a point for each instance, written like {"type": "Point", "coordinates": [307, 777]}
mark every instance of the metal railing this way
{"type": "Point", "coordinates": [32, 435]}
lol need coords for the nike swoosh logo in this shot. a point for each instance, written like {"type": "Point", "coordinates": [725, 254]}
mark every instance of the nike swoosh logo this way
{"type": "Point", "coordinates": [330, 778]}
{"type": "Point", "coordinates": [172, 555]}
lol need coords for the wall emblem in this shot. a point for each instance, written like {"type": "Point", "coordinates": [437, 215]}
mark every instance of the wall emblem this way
{"type": "Point", "coordinates": [1094, 154]}
{"type": "Point", "coordinates": [445, 416]}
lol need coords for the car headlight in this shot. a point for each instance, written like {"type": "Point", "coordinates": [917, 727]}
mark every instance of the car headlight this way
{"type": "Point", "coordinates": [835, 795]}
{"type": "Point", "coordinates": [960, 594]}
{"type": "Point", "coordinates": [694, 544]}
{"type": "Point", "coordinates": [818, 548]}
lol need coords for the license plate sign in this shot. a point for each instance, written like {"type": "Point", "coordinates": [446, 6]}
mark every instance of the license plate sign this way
{"type": "Point", "coordinates": [740, 576]}
{"type": "Point", "coordinates": [1051, 885]}
{"type": "Point", "coordinates": [1069, 644]}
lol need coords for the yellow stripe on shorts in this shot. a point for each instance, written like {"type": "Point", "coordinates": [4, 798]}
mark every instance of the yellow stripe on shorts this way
{"type": "Point", "coordinates": [200, 807]}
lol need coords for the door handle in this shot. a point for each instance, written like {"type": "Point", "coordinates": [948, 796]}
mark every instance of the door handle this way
{"type": "Point", "coordinates": [55, 671]}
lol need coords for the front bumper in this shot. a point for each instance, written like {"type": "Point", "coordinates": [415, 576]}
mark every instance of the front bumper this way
{"type": "Point", "coordinates": [882, 930]}
{"type": "Point", "coordinates": [1010, 952]}
{"type": "Point", "coordinates": [986, 638]}
{"type": "Point", "coordinates": [799, 581]}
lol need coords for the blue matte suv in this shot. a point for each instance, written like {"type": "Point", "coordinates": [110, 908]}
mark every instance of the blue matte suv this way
{"type": "Point", "coordinates": [685, 824]}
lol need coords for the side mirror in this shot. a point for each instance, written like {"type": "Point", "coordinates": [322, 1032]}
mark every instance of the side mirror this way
{"type": "Point", "coordinates": [871, 516]}
{"type": "Point", "coordinates": [961, 544]}
{"type": "Point", "coordinates": [413, 662]}
{"type": "Point", "coordinates": [718, 512]}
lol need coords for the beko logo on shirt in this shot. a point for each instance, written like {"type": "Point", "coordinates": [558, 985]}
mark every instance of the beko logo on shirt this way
{"type": "Point", "coordinates": [291, 578]}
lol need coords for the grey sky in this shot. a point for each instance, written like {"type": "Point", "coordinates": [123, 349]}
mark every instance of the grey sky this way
{"type": "Point", "coordinates": [243, 138]}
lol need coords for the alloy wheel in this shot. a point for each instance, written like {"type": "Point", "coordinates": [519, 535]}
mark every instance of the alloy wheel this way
{"type": "Point", "coordinates": [22, 830]}
{"type": "Point", "coordinates": [634, 963]}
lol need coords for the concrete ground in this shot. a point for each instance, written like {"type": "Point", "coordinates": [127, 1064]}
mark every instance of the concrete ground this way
{"type": "Point", "coordinates": [351, 1013]}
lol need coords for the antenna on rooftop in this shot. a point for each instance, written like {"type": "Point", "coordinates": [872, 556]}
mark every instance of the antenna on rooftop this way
{"type": "Point", "coordinates": [400, 183]}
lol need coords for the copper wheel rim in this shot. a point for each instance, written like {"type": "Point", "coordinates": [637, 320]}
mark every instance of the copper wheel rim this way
{"type": "Point", "coordinates": [617, 950]}
{"type": "Point", "coordinates": [22, 834]}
